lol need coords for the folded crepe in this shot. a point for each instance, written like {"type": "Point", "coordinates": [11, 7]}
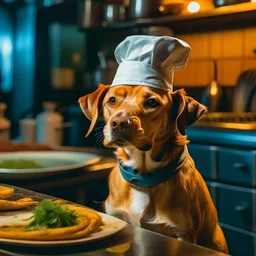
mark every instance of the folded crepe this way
{"type": "Point", "coordinates": [5, 192]}
{"type": "Point", "coordinates": [6, 205]}
{"type": "Point", "coordinates": [88, 222]}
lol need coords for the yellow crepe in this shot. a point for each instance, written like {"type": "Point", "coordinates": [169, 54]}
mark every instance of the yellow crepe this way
{"type": "Point", "coordinates": [6, 205]}
{"type": "Point", "coordinates": [88, 222]}
{"type": "Point", "coordinates": [5, 192]}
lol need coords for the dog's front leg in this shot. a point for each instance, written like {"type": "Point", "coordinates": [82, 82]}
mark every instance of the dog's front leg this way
{"type": "Point", "coordinates": [116, 212]}
{"type": "Point", "coordinates": [170, 230]}
{"type": "Point", "coordinates": [163, 228]}
{"type": "Point", "coordinates": [217, 240]}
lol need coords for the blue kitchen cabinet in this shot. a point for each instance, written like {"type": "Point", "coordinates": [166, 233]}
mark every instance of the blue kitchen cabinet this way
{"type": "Point", "coordinates": [236, 206]}
{"type": "Point", "coordinates": [205, 159]}
{"type": "Point", "coordinates": [230, 173]}
{"type": "Point", "coordinates": [240, 242]}
{"type": "Point", "coordinates": [236, 166]}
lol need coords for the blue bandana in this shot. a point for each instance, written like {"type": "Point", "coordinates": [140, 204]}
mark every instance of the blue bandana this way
{"type": "Point", "coordinates": [151, 179]}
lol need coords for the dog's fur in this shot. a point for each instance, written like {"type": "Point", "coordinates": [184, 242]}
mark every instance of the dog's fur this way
{"type": "Point", "coordinates": [154, 135]}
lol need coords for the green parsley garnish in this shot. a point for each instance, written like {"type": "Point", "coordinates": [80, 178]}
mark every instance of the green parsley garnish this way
{"type": "Point", "coordinates": [49, 214]}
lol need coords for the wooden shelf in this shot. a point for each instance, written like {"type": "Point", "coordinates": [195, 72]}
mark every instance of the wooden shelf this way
{"type": "Point", "coordinates": [227, 17]}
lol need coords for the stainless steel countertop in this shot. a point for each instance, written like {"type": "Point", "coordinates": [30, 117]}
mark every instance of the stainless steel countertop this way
{"type": "Point", "coordinates": [132, 241]}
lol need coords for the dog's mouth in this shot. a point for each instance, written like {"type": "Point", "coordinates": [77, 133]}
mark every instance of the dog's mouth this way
{"type": "Point", "coordinates": [117, 142]}
{"type": "Point", "coordinates": [137, 139]}
{"type": "Point", "coordinates": [125, 144]}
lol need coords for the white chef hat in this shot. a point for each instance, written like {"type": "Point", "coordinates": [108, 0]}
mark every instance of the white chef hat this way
{"type": "Point", "coordinates": [150, 61]}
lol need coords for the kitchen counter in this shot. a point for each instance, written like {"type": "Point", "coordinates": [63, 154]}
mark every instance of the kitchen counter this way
{"type": "Point", "coordinates": [130, 241]}
{"type": "Point", "coordinates": [223, 137]}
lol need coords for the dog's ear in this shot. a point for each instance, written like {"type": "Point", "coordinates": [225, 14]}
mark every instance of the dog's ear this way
{"type": "Point", "coordinates": [186, 110]}
{"type": "Point", "coordinates": [91, 105]}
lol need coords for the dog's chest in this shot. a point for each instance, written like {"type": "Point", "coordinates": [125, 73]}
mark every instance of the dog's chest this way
{"type": "Point", "coordinates": [133, 212]}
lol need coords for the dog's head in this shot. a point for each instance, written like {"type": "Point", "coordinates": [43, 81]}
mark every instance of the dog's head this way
{"type": "Point", "coordinates": [140, 116]}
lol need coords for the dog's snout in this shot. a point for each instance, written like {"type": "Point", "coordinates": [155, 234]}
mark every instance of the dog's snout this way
{"type": "Point", "coordinates": [120, 123]}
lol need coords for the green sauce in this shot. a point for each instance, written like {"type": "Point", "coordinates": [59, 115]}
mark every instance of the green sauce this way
{"type": "Point", "coordinates": [19, 164]}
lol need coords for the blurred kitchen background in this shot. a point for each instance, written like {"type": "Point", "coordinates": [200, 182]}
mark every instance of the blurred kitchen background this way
{"type": "Point", "coordinates": [54, 51]}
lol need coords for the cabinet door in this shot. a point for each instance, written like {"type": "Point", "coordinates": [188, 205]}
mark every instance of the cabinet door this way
{"type": "Point", "coordinates": [205, 159]}
{"type": "Point", "coordinates": [236, 166]}
{"type": "Point", "coordinates": [240, 242]}
{"type": "Point", "coordinates": [236, 206]}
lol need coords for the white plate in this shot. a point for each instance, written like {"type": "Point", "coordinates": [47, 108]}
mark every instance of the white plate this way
{"type": "Point", "coordinates": [111, 226]}
{"type": "Point", "coordinates": [52, 161]}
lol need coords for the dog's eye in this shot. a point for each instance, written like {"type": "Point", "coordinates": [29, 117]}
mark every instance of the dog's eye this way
{"type": "Point", "coordinates": [153, 102]}
{"type": "Point", "coordinates": [112, 100]}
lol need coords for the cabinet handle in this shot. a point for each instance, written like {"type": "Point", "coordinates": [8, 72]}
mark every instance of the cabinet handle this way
{"type": "Point", "coordinates": [241, 208]}
{"type": "Point", "coordinates": [240, 166]}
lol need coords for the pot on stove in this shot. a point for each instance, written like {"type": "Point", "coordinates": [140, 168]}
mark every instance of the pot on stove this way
{"type": "Point", "coordinates": [244, 99]}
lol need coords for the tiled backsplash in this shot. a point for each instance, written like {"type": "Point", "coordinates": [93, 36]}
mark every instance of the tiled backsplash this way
{"type": "Point", "coordinates": [232, 49]}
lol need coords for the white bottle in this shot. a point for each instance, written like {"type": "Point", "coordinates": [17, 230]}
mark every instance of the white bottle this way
{"type": "Point", "coordinates": [27, 128]}
{"type": "Point", "coordinates": [49, 125]}
{"type": "Point", "coordinates": [5, 124]}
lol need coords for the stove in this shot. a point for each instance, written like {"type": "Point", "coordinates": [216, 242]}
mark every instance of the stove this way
{"type": "Point", "coordinates": [229, 120]}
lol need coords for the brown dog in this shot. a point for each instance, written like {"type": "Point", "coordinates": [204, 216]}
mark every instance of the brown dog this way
{"type": "Point", "coordinates": [147, 126]}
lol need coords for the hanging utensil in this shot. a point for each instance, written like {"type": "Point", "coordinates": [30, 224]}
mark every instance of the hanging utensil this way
{"type": "Point", "coordinates": [213, 94]}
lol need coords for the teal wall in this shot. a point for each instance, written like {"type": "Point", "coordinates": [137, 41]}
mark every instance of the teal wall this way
{"type": "Point", "coordinates": [6, 50]}
{"type": "Point", "coordinates": [24, 65]}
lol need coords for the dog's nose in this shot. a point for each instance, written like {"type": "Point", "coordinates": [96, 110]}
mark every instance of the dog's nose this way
{"type": "Point", "coordinates": [120, 123]}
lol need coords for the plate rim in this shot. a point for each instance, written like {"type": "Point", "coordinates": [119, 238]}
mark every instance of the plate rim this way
{"type": "Point", "coordinates": [63, 243]}
{"type": "Point", "coordinates": [38, 171]}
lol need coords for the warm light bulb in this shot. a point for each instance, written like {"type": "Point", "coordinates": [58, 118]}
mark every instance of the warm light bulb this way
{"type": "Point", "coordinates": [253, 1]}
{"type": "Point", "coordinates": [161, 8]}
{"type": "Point", "coordinates": [214, 88]}
{"type": "Point", "coordinates": [194, 7]}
